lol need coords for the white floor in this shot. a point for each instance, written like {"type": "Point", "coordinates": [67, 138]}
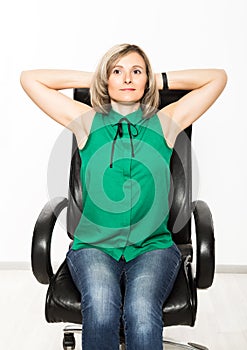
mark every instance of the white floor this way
{"type": "Point", "coordinates": [221, 321]}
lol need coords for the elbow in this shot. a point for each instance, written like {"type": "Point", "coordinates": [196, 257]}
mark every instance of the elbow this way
{"type": "Point", "coordinates": [26, 78]}
{"type": "Point", "coordinates": [23, 77]}
{"type": "Point", "coordinates": [222, 76]}
{"type": "Point", "coordinates": [218, 80]}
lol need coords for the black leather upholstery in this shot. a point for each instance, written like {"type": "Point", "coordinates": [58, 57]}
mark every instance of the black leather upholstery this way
{"type": "Point", "coordinates": [63, 300]}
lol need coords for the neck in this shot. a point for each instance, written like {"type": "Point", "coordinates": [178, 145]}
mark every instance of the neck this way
{"type": "Point", "coordinates": [125, 108]}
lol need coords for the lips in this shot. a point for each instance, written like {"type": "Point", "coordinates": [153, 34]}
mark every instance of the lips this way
{"type": "Point", "coordinates": [128, 89]}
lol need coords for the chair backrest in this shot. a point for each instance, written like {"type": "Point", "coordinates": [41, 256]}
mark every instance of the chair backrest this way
{"type": "Point", "coordinates": [181, 174]}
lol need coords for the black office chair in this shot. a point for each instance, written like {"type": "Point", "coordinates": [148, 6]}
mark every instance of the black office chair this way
{"type": "Point", "coordinates": [63, 298]}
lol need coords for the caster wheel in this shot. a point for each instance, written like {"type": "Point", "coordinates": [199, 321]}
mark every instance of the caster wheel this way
{"type": "Point", "coordinates": [69, 341]}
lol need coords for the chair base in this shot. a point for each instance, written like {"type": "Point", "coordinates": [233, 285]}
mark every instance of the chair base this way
{"type": "Point", "coordinates": [69, 340]}
{"type": "Point", "coordinates": [189, 346]}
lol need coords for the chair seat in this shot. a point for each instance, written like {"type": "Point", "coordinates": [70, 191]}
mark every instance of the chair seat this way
{"type": "Point", "coordinates": [63, 298]}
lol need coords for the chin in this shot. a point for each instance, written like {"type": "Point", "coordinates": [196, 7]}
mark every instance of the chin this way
{"type": "Point", "coordinates": [126, 102]}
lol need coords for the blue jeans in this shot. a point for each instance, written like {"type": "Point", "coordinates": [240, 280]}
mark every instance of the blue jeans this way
{"type": "Point", "coordinates": [148, 281]}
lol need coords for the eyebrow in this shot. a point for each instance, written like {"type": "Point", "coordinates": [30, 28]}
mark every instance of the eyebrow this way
{"type": "Point", "coordinates": [135, 66]}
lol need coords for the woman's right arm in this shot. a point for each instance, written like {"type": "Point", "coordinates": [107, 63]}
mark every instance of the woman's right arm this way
{"type": "Point", "coordinates": [43, 86]}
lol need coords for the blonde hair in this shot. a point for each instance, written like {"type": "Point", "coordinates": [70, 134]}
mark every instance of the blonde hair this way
{"type": "Point", "coordinates": [100, 98]}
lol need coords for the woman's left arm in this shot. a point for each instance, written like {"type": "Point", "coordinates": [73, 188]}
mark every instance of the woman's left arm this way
{"type": "Point", "coordinates": [205, 86]}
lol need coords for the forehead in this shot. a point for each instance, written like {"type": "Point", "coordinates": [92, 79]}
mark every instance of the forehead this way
{"type": "Point", "coordinates": [130, 59]}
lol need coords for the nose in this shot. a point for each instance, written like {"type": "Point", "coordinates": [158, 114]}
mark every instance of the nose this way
{"type": "Point", "coordinates": [127, 78]}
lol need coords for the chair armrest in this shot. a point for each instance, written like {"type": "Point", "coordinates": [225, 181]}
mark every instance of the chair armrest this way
{"type": "Point", "coordinates": [41, 242]}
{"type": "Point", "coordinates": [205, 245]}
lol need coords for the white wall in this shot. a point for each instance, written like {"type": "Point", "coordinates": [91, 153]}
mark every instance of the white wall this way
{"type": "Point", "coordinates": [74, 34]}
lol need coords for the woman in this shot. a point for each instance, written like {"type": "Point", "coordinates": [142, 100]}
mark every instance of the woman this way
{"type": "Point", "coordinates": [125, 145]}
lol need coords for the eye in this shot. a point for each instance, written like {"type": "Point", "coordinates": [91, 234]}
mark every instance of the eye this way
{"type": "Point", "coordinates": [116, 71]}
{"type": "Point", "coordinates": [137, 71]}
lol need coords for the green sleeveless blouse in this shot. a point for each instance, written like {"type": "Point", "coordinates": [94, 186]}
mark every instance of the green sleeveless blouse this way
{"type": "Point", "coordinates": [125, 176]}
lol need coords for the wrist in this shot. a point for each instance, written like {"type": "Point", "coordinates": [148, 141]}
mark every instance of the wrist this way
{"type": "Point", "coordinates": [165, 81]}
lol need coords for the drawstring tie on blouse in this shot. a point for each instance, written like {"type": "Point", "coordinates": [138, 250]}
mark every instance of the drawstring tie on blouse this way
{"type": "Point", "coordinates": [120, 134]}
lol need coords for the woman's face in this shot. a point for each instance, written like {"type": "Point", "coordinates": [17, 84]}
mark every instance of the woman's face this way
{"type": "Point", "coordinates": [127, 79]}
